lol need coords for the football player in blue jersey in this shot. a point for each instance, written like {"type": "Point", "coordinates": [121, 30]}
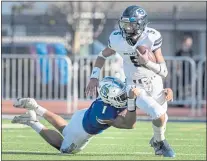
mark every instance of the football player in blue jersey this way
{"type": "Point", "coordinates": [104, 112]}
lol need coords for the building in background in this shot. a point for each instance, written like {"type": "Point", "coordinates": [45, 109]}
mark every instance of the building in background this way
{"type": "Point", "coordinates": [95, 22]}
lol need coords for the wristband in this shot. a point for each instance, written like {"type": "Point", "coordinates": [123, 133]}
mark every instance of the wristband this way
{"type": "Point", "coordinates": [160, 69]}
{"type": "Point", "coordinates": [131, 105]}
{"type": "Point", "coordinates": [95, 72]}
{"type": "Point", "coordinates": [101, 55]}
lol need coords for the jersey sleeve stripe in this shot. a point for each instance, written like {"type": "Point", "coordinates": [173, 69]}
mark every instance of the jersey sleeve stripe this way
{"type": "Point", "coordinates": [158, 42]}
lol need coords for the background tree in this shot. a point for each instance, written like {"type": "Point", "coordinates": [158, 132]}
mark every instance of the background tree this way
{"type": "Point", "coordinates": [82, 19]}
{"type": "Point", "coordinates": [18, 8]}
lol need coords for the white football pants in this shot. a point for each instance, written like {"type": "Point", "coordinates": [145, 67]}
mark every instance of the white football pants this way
{"type": "Point", "coordinates": [152, 98]}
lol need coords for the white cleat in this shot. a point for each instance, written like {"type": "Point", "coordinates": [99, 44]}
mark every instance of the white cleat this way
{"type": "Point", "coordinates": [26, 118]}
{"type": "Point", "coordinates": [28, 103]}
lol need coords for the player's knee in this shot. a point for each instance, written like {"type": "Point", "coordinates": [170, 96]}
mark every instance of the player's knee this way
{"type": "Point", "coordinates": [160, 121]}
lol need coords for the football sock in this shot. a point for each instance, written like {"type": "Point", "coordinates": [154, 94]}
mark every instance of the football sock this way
{"type": "Point", "coordinates": [159, 132]}
{"type": "Point", "coordinates": [40, 110]}
{"type": "Point", "coordinates": [37, 126]}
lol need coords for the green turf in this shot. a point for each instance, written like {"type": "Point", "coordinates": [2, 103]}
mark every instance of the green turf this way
{"type": "Point", "coordinates": [187, 139]}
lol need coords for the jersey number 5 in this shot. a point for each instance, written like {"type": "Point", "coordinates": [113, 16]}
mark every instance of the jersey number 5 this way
{"type": "Point", "coordinates": [104, 109]}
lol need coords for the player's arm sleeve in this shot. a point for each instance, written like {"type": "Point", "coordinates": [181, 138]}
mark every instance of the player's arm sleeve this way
{"type": "Point", "coordinates": [157, 41]}
{"type": "Point", "coordinates": [113, 38]}
{"type": "Point", "coordinates": [158, 68]}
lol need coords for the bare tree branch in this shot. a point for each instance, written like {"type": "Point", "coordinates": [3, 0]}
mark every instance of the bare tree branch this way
{"type": "Point", "coordinates": [103, 21]}
{"type": "Point", "coordinates": [80, 17]}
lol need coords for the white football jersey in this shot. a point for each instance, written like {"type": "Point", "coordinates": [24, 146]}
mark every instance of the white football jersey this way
{"type": "Point", "coordinates": [150, 38]}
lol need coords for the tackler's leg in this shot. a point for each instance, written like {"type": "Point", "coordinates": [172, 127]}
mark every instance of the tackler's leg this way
{"type": "Point", "coordinates": [159, 116]}
{"type": "Point", "coordinates": [50, 136]}
{"type": "Point", "coordinates": [29, 103]}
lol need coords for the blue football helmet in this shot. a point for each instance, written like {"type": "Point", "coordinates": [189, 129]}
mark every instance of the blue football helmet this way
{"type": "Point", "coordinates": [113, 91]}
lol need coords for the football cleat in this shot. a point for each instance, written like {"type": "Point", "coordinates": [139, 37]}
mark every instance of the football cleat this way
{"type": "Point", "coordinates": [162, 148]}
{"type": "Point", "coordinates": [26, 118]}
{"type": "Point", "coordinates": [28, 103]}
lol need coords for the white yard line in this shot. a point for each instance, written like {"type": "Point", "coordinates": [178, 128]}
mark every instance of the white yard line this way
{"type": "Point", "coordinates": [13, 126]}
{"type": "Point", "coordinates": [33, 143]}
{"type": "Point", "coordinates": [147, 145]}
{"type": "Point", "coordinates": [140, 153]}
{"type": "Point", "coordinates": [115, 138]}
{"type": "Point", "coordinates": [144, 138]}
{"type": "Point", "coordinates": [16, 128]}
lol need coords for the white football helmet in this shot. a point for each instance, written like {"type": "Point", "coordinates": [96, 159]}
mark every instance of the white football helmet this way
{"type": "Point", "coordinates": [113, 91]}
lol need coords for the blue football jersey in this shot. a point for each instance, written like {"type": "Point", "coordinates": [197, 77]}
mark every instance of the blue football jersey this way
{"type": "Point", "coordinates": [99, 111]}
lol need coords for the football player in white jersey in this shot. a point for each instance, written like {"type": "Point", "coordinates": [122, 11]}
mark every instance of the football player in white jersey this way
{"type": "Point", "coordinates": [140, 71]}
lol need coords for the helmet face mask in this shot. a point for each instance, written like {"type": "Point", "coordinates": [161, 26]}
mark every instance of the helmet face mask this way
{"type": "Point", "coordinates": [121, 98]}
{"type": "Point", "coordinates": [130, 29]}
{"type": "Point", "coordinates": [112, 91]}
{"type": "Point", "coordinates": [132, 23]}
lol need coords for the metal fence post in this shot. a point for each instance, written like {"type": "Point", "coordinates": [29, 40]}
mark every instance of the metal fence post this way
{"type": "Point", "coordinates": [30, 77]}
{"type": "Point", "coordinates": [201, 97]}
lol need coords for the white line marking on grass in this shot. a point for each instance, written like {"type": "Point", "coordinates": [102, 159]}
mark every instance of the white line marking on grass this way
{"type": "Point", "coordinates": [9, 130]}
{"type": "Point", "coordinates": [132, 131]}
{"type": "Point", "coordinates": [116, 138]}
{"type": "Point", "coordinates": [177, 154]}
{"type": "Point", "coordinates": [35, 143]}
{"type": "Point", "coordinates": [143, 138]}
{"type": "Point", "coordinates": [138, 134]}
{"type": "Point", "coordinates": [140, 153]}
{"type": "Point", "coordinates": [183, 145]}
{"type": "Point", "coordinates": [20, 151]}
{"type": "Point", "coordinates": [19, 136]}
{"type": "Point", "coordinates": [14, 126]}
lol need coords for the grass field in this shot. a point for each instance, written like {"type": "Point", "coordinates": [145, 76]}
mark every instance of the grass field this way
{"type": "Point", "coordinates": [187, 139]}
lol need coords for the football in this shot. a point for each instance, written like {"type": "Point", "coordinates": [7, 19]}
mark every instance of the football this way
{"type": "Point", "coordinates": [150, 54]}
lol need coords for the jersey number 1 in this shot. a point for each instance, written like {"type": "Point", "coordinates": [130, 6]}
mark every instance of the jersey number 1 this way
{"type": "Point", "coordinates": [104, 109]}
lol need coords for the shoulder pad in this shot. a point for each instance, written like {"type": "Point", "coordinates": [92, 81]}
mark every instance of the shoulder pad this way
{"type": "Point", "coordinates": [114, 38]}
{"type": "Point", "coordinates": [155, 37]}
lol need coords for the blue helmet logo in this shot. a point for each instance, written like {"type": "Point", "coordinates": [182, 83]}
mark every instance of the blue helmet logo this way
{"type": "Point", "coordinates": [140, 11]}
{"type": "Point", "coordinates": [104, 90]}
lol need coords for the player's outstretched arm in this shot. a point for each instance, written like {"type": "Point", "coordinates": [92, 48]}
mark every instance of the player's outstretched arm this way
{"type": "Point", "coordinates": [128, 121]}
{"type": "Point", "coordinates": [93, 83]}
{"type": "Point", "coordinates": [125, 122]}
